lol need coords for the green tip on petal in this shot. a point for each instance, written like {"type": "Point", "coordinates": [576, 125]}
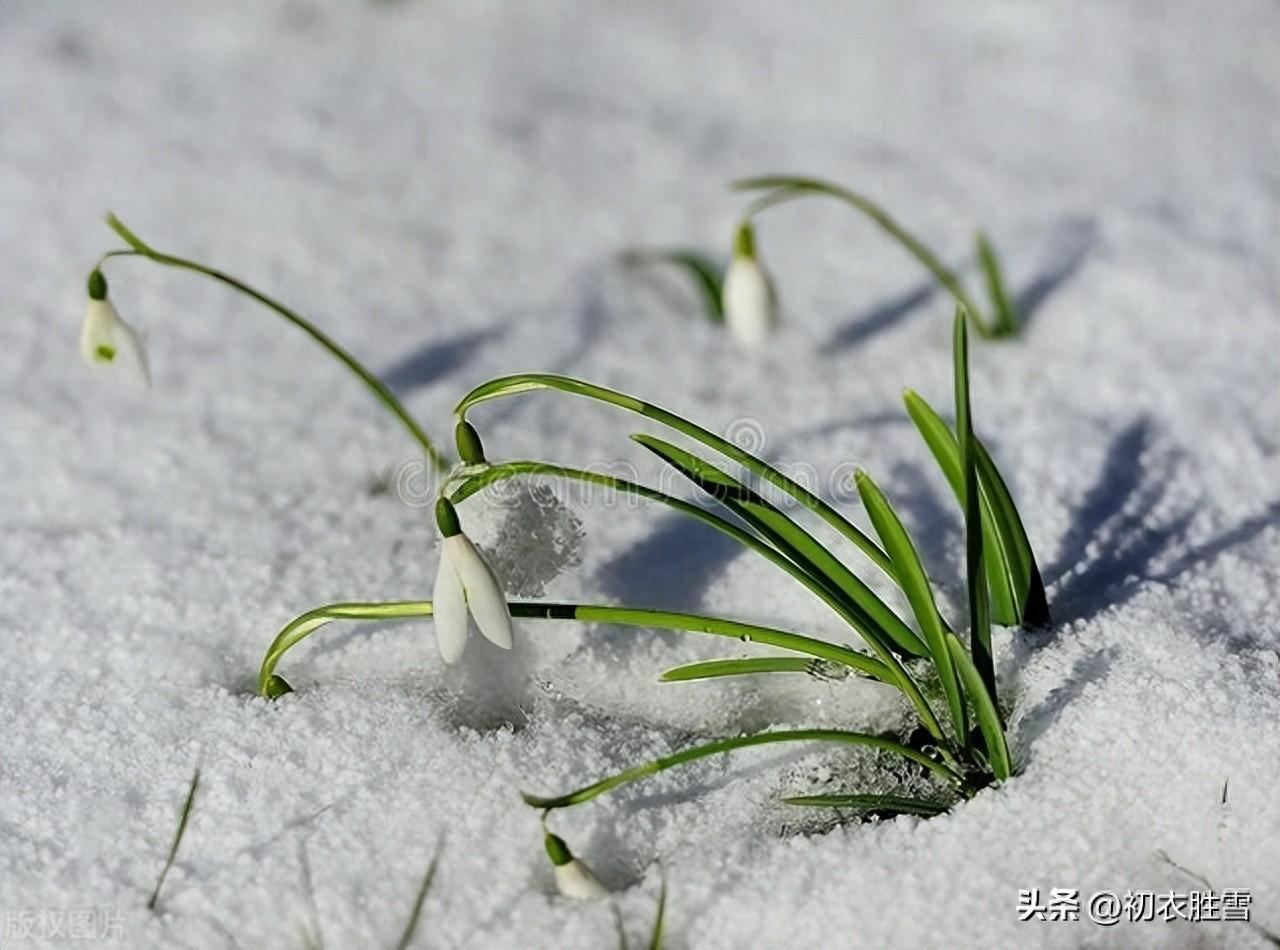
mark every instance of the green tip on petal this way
{"type": "Point", "coordinates": [447, 518]}
{"type": "Point", "coordinates": [277, 686]}
{"type": "Point", "coordinates": [470, 448]}
{"type": "Point", "coordinates": [557, 850]}
{"type": "Point", "coordinates": [97, 285]}
{"type": "Point", "coordinates": [105, 353]}
{"type": "Point", "coordinates": [744, 242]}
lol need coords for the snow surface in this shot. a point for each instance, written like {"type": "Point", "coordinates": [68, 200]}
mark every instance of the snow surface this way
{"type": "Point", "coordinates": [445, 188]}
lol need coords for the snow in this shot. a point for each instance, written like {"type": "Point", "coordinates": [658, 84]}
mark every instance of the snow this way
{"type": "Point", "coordinates": [445, 188]}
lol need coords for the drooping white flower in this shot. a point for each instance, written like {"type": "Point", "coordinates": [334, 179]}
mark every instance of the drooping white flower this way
{"type": "Point", "coordinates": [465, 585]}
{"type": "Point", "coordinates": [747, 295]}
{"type": "Point", "coordinates": [573, 878]}
{"type": "Point", "coordinates": [105, 339]}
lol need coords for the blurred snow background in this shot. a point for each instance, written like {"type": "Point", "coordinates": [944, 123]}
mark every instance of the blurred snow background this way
{"type": "Point", "coordinates": [445, 188]}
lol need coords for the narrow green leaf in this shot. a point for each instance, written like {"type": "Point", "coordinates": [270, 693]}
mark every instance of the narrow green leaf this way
{"type": "Point", "coordinates": [985, 709]}
{"type": "Point", "coordinates": [915, 584]}
{"type": "Point", "coordinates": [875, 617]}
{"type": "Point", "coordinates": [658, 934]}
{"type": "Point", "coordinates": [979, 606]}
{"type": "Point", "coordinates": [588, 792]}
{"type": "Point", "coordinates": [704, 270]}
{"type": "Point", "coordinates": [714, 669]}
{"type": "Point", "coordinates": [528, 382]}
{"type": "Point", "coordinates": [177, 838]}
{"type": "Point", "coordinates": [1017, 593]}
{"type": "Point", "coordinates": [1033, 605]}
{"type": "Point", "coordinates": [415, 912]}
{"type": "Point", "coordinates": [874, 804]}
{"type": "Point", "coordinates": [1005, 319]}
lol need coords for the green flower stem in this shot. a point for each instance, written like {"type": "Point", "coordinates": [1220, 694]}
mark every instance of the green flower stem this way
{"type": "Point", "coordinates": [528, 382]}
{"type": "Point", "coordinates": [375, 385]}
{"type": "Point", "coordinates": [901, 677]}
{"type": "Point", "coordinates": [647, 769]}
{"type": "Point", "coordinates": [301, 627]}
{"type": "Point", "coordinates": [787, 187]}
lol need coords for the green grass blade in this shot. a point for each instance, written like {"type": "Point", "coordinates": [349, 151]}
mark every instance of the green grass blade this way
{"type": "Point", "coordinates": [985, 709]}
{"type": "Point", "coordinates": [183, 819]}
{"type": "Point", "coordinates": [415, 912]}
{"type": "Point", "coordinates": [975, 581]}
{"type": "Point", "coordinates": [715, 669]}
{"type": "Point", "coordinates": [658, 934]}
{"type": "Point", "coordinates": [787, 187]}
{"type": "Point", "coordinates": [1033, 606]}
{"type": "Point", "coordinates": [873, 804]}
{"type": "Point", "coordinates": [528, 382]}
{"type": "Point", "coordinates": [877, 618]}
{"type": "Point", "coordinates": [1005, 320]}
{"type": "Point", "coordinates": [1017, 593]}
{"type": "Point", "coordinates": [915, 584]}
{"type": "Point", "coordinates": [705, 272]}
{"type": "Point", "coordinates": [645, 770]}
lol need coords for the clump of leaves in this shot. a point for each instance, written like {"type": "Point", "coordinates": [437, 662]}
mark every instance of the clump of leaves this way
{"type": "Point", "coordinates": [963, 747]}
{"type": "Point", "coordinates": [1003, 584]}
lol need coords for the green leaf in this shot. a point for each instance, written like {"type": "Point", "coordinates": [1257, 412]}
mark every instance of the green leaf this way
{"type": "Point", "coordinates": [183, 819]}
{"type": "Point", "coordinates": [528, 382]}
{"type": "Point", "coordinates": [915, 584]}
{"type": "Point", "coordinates": [874, 804]}
{"type": "Point", "coordinates": [1005, 322]}
{"type": "Point", "coordinates": [985, 708]}
{"type": "Point", "coordinates": [704, 270]}
{"type": "Point", "coordinates": [1017, 593]}
{"type": "Point", "coordinates": [875, 619]}
{"type": "Point", "coordinates": [415, 912]}
{"type": "Point", "coordinates": [588, 792]}
{"type": "Point", "coordinates": [1033, 607]}
{"type": "Point", "coordinates": [658, 934]}
{"type": "Point", "coordinates": [714, 669]}
{"type": "Point", "coordinates": [976, 584]}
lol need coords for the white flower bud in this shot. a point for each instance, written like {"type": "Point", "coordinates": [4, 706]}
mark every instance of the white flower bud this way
{"type": "Point", "coordinates": [747, 295]}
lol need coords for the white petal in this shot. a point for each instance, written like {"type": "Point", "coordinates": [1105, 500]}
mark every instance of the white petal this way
{"type": "Point", "coordinates": [106, 340]}
{"type": "Point", "coordinates": [750, 305]}
{"type": "Point", "coordinates": [449, 605]}
{"type": "Point", "coordinates": [484, 594]}
{"type": "Point", "coordinates": [576, 880]}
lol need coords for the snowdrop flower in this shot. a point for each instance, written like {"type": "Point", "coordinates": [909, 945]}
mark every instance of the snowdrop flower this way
{"type": "Point", "coordinates": [747, 295]}
{"type": "Point", "coordinates": [465, 584]}
{"type": "Point", "coordinates": [573, 878]}
{"type": "Point", "coordinates": [105, 339]}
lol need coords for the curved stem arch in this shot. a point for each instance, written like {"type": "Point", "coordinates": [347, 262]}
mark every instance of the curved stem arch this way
{"type": "Point", "coordinates": [326, 342]}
